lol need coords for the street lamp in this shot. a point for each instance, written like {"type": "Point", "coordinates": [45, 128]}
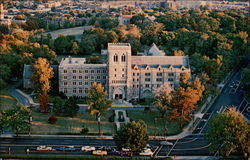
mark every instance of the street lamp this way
{"type": "Point", "coordinates": [30, 120]}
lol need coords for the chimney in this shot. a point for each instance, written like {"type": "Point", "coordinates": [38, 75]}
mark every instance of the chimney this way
{"type": "Point", "coordinates": [70, 59]}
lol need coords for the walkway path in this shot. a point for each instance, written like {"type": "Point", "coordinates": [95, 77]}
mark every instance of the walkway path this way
{"type": "Point", "coordinates": [124, 115]}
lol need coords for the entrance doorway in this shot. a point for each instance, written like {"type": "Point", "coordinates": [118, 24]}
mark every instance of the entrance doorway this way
{"type": "Point", "coordinates": [118, 96]}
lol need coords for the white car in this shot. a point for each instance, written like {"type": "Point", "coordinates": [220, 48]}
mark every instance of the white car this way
{"type": "Point", "coordinates": [87, 148]}
{"type": "Point", "coordinates": [126, 149]}
{"type": "Point", "coordinates": [146, 152]}
{"type": "Point", "coordinates": [43, 148]}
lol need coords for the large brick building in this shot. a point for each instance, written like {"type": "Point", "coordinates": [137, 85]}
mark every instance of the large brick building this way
{"type": "Point", "coordinates": [124, 76]}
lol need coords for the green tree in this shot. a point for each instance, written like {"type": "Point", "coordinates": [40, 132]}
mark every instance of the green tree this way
{"type": "Point", "coordinates": [62, 44]}
{"type": "Point", "coordinates": [74, 48]}
{"type": "Point", "coordinates": [70, 107]}
{"type": "Point", "coordinates": [229, 132]}
{"type": "Point", "coordinates": [17, 119]}
{"type": "Point", "coordinates": [5, 75]}
{"type": "Point", "coordinates": [94, 60]}
{"type": "Point", "coordinates": [58, 104]}
{"type": "Point", "coordinates": [133, 135]}
{"type": "Point", "coordinates": [138, 20]}
{"type": "Point", "coordinates": [162, 99]}
{"type": "Point", "coordinates": [98, 102]}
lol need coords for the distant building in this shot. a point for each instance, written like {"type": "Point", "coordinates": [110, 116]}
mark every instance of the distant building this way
{"type": "Point", "coordinates": [124, 76]}
{"type": "Point", "coordinates": [27, 75]}
{"type": "Point", "coordinates": [125, 19]}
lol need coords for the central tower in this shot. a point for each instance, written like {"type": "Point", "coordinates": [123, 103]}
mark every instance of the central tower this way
{"type": "Point", "coordinates": [119, 71]}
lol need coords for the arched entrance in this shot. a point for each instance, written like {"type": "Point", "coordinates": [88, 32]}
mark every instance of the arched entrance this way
{"type": "Point", "coordinates": [118, 94]}
{"type": "Point", "coordinates": [147, 94]}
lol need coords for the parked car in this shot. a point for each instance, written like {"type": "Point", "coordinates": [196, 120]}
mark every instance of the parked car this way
{"type": "Point", "coordinates": [126, 153]}
{"type": "Point", "coordinates": [44, 148]}
{"type": "Point", "coordinates": [146, 152]}
{"type": "Point", "coordinates": [100, 153]}
{"type": "Point", "coordinates": [88, 148]}
{"type": "Point", "coordinates": [67, 148]}
{"type": "Point", "coordinates": [126, 149]}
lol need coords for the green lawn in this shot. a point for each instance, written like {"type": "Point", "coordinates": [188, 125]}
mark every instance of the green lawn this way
{"type": "Point", "coordinates": [68, 125]}
{"type": "Point", "coordinates": [6, 100]}
{"type": "Point", "coordinates": [154, 122]}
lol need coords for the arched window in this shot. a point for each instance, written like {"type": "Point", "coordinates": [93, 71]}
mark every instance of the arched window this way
{"type": "Point", "coordinates": [123, 58]}
{"type": "Point", "coordinates": [115, 58]}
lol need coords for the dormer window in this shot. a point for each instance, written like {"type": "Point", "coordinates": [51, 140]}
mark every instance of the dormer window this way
{"type": "Point", "coordinates": [115, 58]}
{"type": "Point", "coordinates": [123, 58]}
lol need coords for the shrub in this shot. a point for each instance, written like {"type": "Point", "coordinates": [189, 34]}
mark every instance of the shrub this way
{"type": "Point", "coordinates": [112, 118]}
{"type": "Point", "coordinates": [84, 130]}
{"type": "Point", "coordinates": [52, 119]}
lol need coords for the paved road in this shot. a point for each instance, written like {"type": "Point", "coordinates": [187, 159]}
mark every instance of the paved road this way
{"type": "Point", "coordinates": [19, 97]}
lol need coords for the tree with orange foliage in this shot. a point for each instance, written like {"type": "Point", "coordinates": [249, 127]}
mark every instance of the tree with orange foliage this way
{"type": "Point", "coordinates": [98, 102]}
{"type": "Point", "coordinates": [43, 72]}
{"type": "Point", "coordinates": [43, 101]}
{"type": "Point", "coordinates": [185, 99]}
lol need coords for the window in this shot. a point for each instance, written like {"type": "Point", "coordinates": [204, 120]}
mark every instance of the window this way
{"type": "Point", "coordinates": [159, 74]}
{"type": "Point", "coordinates": [64, 90]}
{"type": "Point", "coordinates": [104, 77]}
{"type": "Point", "coordinates": [98, 77]}
{"type": "Point", "coordinates": [74, 83]}
{"type": "Point", "coordinates": [170, 74]}
{"type": "Point", "coordinates": [115, 69]}
{"type": "Point", "coordinates": [171, 79]}
{"type": "Point", "coordinates": [86, 83]}
{"type": "Point", "coordinates": [86, 77]}
{"type": "Point", "coordinates": [123, 58]}
{"type": "Point", "coordinates": [86, 90]}
{"type": "Point", "coordinates": [65, 83]}
{"type": "Point", "coordinates": [80, 83]}
{"type": "Point", "coordinates": [158, 79]}
{"type": "Point", "coordinates": [104, 71]}
{"type": "Point", "coordinates": [147, 74]}
{"type": "Point", "coordinates": [133, 86]}
{"type": "Point", "coordinates": [133, 74]}
{"type": "Point", "coordinates": [74, 77]}
{"type": "Point", "coordinates": [80, 71]}
{"type": "Point", "coordinates": [123, 69]}
{"type": "Point", "coordinates": [92, 71]}
{"type": "Point", "coordinates": [133, 79]}
{"type": "Point", "coordinates": [64, 77]}
{"type": "Point", "coordinates": [80, 90]}
{"type": "Point", "coordinates": [74, 71]}
{"type": "Point", "coordinates": [74, 90]}
{"type": "Point", "coordinates": [115, 58]}
{"type": "Point", "coordinates": [147, 85]}
{"type": "Point", "coordinates": [86, 71]}
{"type": "Point", "coordinates": [158, 85]}
{"type": "Point", "coordinates": [80, 77]}
{"type": "Point", "coordinates": [122, 75]}
{"type": "Point", "coordinates": [92, 77]}
{"type": "Point", "coordinates": [138, 74]}
{"type": "Point", "coordinates": [64, 71]}
{"type": "Point", "coordinates": [147, 79]}
{"type": "Point", "coordinates": [115, 75]}
{"type": "Point", "coordinates": [98, 71]}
